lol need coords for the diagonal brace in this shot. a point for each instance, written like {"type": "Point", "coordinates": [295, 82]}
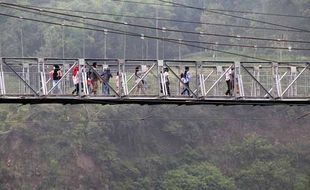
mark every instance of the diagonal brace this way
{"type": "Point", "coordinates": [20, 78]}
{"type": "Point", "coordinates": [289, 86]}
{"type": "Point", "coordinates": [257, 81]}
{"type": "Point", "coordinates": [218, 80]}
{"type": "Point", "coordinates": [144, 75]}
{"type": "Point", "coordinates": [117, 94]}
{"type": "Point", "coordinates": [180, 80]}
{"type": "Point", "coordinates": [61, 78]}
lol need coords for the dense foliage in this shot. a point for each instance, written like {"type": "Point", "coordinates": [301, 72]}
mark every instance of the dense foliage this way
{"type": "Point", "coordinates": [154, 147]}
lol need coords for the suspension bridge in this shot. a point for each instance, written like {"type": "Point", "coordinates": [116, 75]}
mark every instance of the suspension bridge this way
{"type": "Point", "coordinates": [29, 81]}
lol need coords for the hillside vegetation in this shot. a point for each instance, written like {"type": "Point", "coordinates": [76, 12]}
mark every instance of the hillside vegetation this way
{"type": "Point", "coordinates": [154, 147]}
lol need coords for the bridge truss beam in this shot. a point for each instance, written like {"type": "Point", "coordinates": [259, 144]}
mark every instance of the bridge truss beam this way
{"type": "Point", "coordinates": [29, 80]}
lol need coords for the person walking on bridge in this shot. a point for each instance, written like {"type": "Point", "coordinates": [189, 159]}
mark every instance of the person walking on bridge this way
{"type": "Point", "coordinates": [139, 81]}
{"type": "Point", "coordinates": [106, 75]}
{"type": "Point", "coordinates": [228, 79]}
{"type": "Point", "coordinates": [56, 75]}
{"type": "Point", "coordinates": [76, 80]}
{"type": "Point", "coordinates": [93, 76]}
{"type": "Point", "coordinates": [187, 79]}
{"type": "Point", "coordinates": [166, 79]}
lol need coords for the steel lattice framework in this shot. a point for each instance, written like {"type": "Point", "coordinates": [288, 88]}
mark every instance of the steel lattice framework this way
{"type": "Point", "coordinates": [28, 81]}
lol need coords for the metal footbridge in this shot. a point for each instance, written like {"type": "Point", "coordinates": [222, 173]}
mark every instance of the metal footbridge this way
{"type": "Point", "coordinates": [29, 81]}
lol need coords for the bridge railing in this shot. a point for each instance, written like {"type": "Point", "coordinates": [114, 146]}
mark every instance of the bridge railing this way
{"type": "Point", "coordinates": [278, 80]}
{"type": "Point", "coordinates": [21, 77]}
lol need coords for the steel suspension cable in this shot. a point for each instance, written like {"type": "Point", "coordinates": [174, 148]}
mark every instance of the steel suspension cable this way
{"type": "Point", "coordinates": [191, 41]}
{"type": "Point", "coordinates": [234, 16]}
{"type": "Point", "coordinates": [223, 10]}
{"type": "Point", "coordinates": [136, 35]}
{"type": "Point", "coordinates": [166, 19]}
{"type": "Point", "coordinates": [155, 28]}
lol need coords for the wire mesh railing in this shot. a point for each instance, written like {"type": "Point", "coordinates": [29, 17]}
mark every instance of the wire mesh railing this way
{"type": "Point", "coordinates": [102, 78]}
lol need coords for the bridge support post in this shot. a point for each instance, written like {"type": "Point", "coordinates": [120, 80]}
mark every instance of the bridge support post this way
{"type": "Point", "coordinates": [163, 84]}
{"type": "Point", "coordinates": [201, 78]}
{"type": "Point", "coordinates": [197, 79]}
{"type": "Point", "coordinates": [238, 83]}
{"type": "Point", "coordinates": [160, 64]}
{"type": "Point", "coordinates": [83, 76]}
{"type": "Point", "coordinates": [26, 77]}
{"type": "Point", "coordinates": [42, 77]}
{"type": "Point", "coordinates": [293, 90]}
{"type": "Point", "coordinates": [276, 86]}
{"type": "Point", "coordinates": [255, 91]}
{"type": "Point", "coordinates": [66, 80]}
{"type": "Point", "coordinates": [219, 73]}
{"type": "Point", "coordinates": [123, 85]}
{"type": "Point", "coordinates": [2, 83]}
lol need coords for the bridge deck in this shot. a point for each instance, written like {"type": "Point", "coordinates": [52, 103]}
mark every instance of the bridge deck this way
{"type": "Point", "coordinates": [150, 100]}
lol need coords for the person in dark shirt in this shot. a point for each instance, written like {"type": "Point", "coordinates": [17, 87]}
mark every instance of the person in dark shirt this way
{"type": "Point", "coordinates": [139, 81]}
{"type": "Point", "coordinates": [94, 78]}
{"type": "Point", "coordinates": [56, 75]}
{"type": "Point", "coordinates": [106, 75]}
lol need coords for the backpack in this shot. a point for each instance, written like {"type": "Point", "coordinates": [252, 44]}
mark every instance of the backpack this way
{"type": "Point", "coordinates": [187, 77]}
{"type": "Point", "coordinates": [55, 75]}
{"type": "Point", "coordinates": [92, 75]}
{"type": "Point", "coordinates": [75, 71]}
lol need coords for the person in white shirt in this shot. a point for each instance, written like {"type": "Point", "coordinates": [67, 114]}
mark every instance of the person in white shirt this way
{"type": "Point", "coordinates": [228, 78]}
{"type": "Point", "coordinates": [182, 84]}
{"type": "Point", "coordinates": [76, 80]}
{"type": "Point", "coordinates": [166, 77]}
{"type": "Point", "coordinates": [187, 79]}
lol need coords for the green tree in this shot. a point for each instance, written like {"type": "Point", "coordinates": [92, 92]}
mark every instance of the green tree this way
{"type": "Point", "coordinates": [260, 165]}
{"type": "Point", "coordinates": [272, 175]}
{"type": "Point", "coordinates": [253, 148]}
{"type": "Point", "coordinates": [203, 176]}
